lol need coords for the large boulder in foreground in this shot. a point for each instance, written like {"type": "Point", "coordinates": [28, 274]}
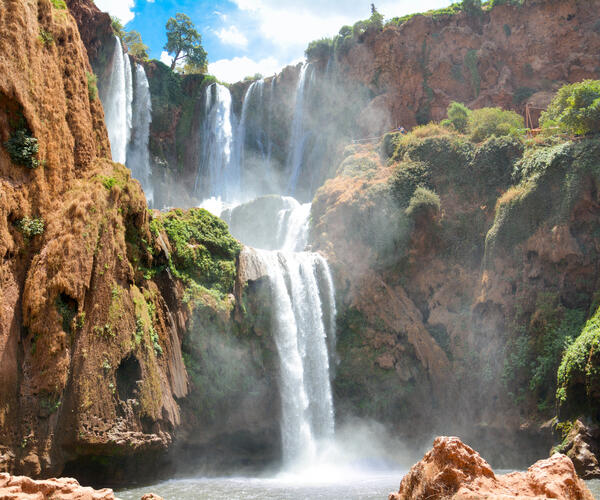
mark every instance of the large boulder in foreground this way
{"type": "Point", "coordinates": [454, 470]}
{"type": "Point", "coordinates": [65, 488]}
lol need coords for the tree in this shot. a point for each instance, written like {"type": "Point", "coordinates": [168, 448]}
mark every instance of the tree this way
{"type": "Point", "coordinates": [134, 43]}
{"type": "Point", "coordinates": [376, 19]}
{"type": "Point", "coordinates": [458, 114]}
{"type": "Point", "coordinates": [575, 108]}
{"type": "Point", "coordinates": [184, 42]}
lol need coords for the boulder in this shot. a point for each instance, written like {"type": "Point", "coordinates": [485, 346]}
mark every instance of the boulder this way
{"type": "Point", "coordinates": [64, 488]}
{"type": "Point", "coordinates": [454, 470]}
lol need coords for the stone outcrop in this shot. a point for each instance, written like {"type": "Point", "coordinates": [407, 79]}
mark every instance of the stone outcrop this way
{"type": "Point", "coordinates": [454, 470]}
{"type": "Point", "coordinates": [581, 446]}
{"type": "Point", "coordinates": [24, 488]}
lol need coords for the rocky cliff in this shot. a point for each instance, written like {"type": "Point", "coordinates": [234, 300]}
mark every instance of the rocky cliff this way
{"type": "Point", "coordinates": [462, 269]}
{"type": "Point", "coordinates": [101, 299]}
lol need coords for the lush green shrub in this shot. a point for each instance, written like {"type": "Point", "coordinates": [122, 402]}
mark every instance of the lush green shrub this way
{"type": "Point", "coordinates": [203, 250]}
{"type": "Point", "coordinates": [423, 202]}
{"type": "Point", "coordinates": [472, 7]}
{"type": "Point", "coordinates": [23, 148]}
{"type": "Point", "coordinates": [493, 163]}
{"type": "Point", "coordinates": [578, 374]}
{"type": "Point", "coordinates": [319, 49]}
{"type": "Point", "coordinates": [59, 4]}
{"type": "Point", "coordinates": [388, 144]}
{"type": "Point", "coordinates": [458, 114]}
{"type": "Point", "coordinates": [486, 122]}
{"type": "Point", "coordinates": [575, 108]}
{"type": "Point", "coordinates": [92, 85]}
{"type": "Point", "coordinates": [31, 227]}
{"type": "Point", "coordinates": [407, 177]}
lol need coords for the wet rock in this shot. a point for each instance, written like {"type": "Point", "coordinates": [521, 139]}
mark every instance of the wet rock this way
{"type": "Point", "coordinates": [151, 496]}
{"type": "Point", "coordinates": [454, 470]}
{"type": "Point", "coordinates": [581, 446]}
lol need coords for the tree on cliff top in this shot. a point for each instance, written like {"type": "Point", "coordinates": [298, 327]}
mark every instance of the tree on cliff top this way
{"type": "Point", "coordinates": [575, 108]}
{"type": "Point", "coordinates": [184, 42]}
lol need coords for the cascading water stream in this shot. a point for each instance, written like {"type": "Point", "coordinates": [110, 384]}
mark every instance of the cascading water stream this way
{"type": "Point", "coordinates": [303, 320]}
{"type": "Point", "coordinates": [138, 154]}
{"type": "Point", "coordinates": [298, 133]}
{"type": "Point", "coordinates": [116, 98]}
{"type": "Point", "coordinates": [219, 170]}
{"type": "Point", "coordinates": [128, 114]}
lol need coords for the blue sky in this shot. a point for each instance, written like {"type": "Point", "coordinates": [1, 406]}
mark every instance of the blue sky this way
{"type": "Point", "coordinates": [244, 37]}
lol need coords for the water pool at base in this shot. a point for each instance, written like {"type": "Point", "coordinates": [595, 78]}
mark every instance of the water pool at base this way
{"type": "Point", "coordinates": [376, 486]}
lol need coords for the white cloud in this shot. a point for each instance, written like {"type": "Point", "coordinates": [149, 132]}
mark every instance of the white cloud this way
{"type": "Point", "coordinates": [234, 70]}
{"type": "Point", "coordinates": [121, 9]}
{"type": "Point", "coordinates": [232, 36]}
{"type": "Point", "coordinates": [291, 23]}
{"type": "Point", "coordinates": [166, 58]}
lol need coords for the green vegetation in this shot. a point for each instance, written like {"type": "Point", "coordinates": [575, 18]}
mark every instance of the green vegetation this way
{"type": "Point", "coordinates": [92, 85]}
{"type": "Point", "coordinates": [204, 252]}
{"type": "Point", "coordinates": [575, 108]}
{"type": "Point", "coordinates": [46, 37]}
{"type": "Point", "coordinates": [117, 26]}
{"type": "Point", "coordinates": [579, 372]}
{"type": "Point", "coordinates": [31, 227]}
{"type": "Point", "coordinates": [23, 148]}
{"type": "Point", "coordinates": [486, 122]}
{"type": "Point", "coordinates": [423, 202]}
{"type": "Point", "coordinates": [319, 49]}
{"type": "Point", "coordinates": [458, 114]}
{"type": "Point", "coordinates": [135, 46]}
{"type": "Point", "coordinates": [59, 4]}
{"type": "Point", "coordinates": [184, 43]}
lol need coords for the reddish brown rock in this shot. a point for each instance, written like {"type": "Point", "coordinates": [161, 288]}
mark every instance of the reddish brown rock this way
{"type": "Point", "coordinates": [454, 470]}
{"type": "Point", "coordinates": [151, 496]}
{"type": "Point", "coordinates": [65, 488]}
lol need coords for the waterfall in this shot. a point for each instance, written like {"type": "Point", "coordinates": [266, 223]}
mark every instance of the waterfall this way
{"type": "Point", "coordinates": [128, 114]}
{"type": "Point", "coordinates": [219, 170]}
{"type": "Point", "coordinates": [116, 97]}
{"type": "Point", "coordinates": [298, 133]}
{"type": "Point", "coordinates": [292, 225]}
{"type": "Point", "coordinates": [303, 320]}
{"type": "Point", "coordinates": [138, 155]}
{"type": "Point", "coordinates": [301, 340]}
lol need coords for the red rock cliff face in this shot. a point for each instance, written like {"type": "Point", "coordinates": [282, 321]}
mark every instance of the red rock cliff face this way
{"type": "Point", "coordinates": [497, 58]}
{"type": "Point", "coordinates": [90, 360]}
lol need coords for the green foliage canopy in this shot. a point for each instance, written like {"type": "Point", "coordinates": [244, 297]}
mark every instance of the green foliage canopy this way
{"type": "Point", "coordinates": [134, 43]}
{"type": "Point", "coordinates": [486, 122]}
{"type": "Point", "coordinates": [184, 43]}
{"type": "Point", "coordinates": [575, 108]}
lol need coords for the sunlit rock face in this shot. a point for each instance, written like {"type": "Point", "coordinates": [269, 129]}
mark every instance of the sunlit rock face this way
{"type": "Point", "coordinates": [451, 469]}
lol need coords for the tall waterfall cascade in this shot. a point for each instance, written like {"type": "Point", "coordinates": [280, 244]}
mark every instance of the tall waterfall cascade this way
{"type": "Point", "coordinates": [298, 132]}
{"type": "Point", "coordinates": [219, 169]}
{"type": "Point", "coordinates": [125, 96]}
{"type": "Point", "coordinates": [303, 321]}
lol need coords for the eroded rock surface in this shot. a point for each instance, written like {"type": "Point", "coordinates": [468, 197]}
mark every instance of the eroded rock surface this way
{"type": "Point", "coordinates": [454, 470]}
{"type": "Point", "coordinates": [65, 488]}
